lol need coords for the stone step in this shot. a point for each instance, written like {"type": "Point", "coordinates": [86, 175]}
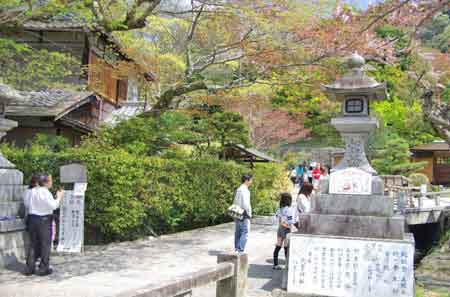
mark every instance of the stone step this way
{"type": "Point", "coordinates": [353, 226]}
{"type": "Point", "coordinates": [12, 225]}
{"type": "Point", "coordinates": [12, 247]}
{"type": "Point", "coordinates": [14, 208]}
{"type": "Point", "coordinates": [373, 205]}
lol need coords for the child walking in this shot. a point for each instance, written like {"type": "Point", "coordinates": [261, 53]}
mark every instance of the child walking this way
{"type": "Point", "coordinates": [286, 219]}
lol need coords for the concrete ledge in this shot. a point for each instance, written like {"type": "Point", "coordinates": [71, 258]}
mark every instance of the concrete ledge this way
{"type": "Point", "coordinates": [353, 226]}
{"type": "Point", "coordinates": [381, 206]}
{"type": "Point", "coordinates": [184, 284]}
{"type": "Point", "coordinates": [12, 225]}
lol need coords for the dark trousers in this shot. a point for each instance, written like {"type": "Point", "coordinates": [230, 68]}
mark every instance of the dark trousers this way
{"type": "Point", "coordinates": [39, 228]}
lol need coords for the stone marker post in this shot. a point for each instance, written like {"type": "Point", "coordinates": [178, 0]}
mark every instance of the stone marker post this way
{"type": "Point", "coordinates": [235, 286]}
{"type": "Point", "coordinates": [12, 228]}
{"type": "Point", "coordinates": [71, 220]}
{"type": "Point", "coordinates": [351, 244]}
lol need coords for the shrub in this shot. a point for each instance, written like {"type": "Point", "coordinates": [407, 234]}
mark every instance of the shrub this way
{"type": "Point", "coordinates": [131, 195]}
{"type": "Point", "coordinates": [418, 179]}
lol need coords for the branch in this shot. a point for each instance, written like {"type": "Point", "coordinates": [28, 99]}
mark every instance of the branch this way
{"type": "Point", "coordinates": [385, 14]}
{"type": "Point", "coordinates": [189, 38]}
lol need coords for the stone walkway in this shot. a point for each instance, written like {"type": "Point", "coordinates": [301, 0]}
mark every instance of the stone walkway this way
{"type": "Point", "coordinates": [108, 270]}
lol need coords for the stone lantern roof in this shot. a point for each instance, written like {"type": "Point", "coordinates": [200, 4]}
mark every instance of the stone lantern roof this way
{"type": "Point", "coordinates": [355, 82]}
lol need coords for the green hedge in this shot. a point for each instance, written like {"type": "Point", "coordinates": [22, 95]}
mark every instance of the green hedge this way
{"type": "Point", "coordinates": [129, 196]}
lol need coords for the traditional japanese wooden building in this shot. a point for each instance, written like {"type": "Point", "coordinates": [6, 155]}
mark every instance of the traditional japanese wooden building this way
{"type": "Point", "coordinates": [102, 60]}
{"type": "Point", "coordinates": [437, 156]}
{"type": "Point", "coordinates": [53, 112]}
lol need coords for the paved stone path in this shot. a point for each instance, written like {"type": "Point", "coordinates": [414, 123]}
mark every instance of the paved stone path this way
{"type": "Point", "coordinates": [108, 270]}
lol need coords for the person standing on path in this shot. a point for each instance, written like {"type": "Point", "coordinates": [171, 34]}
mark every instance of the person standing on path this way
{"type": "Point", "coordinates": [242, 199]}
{"type": "Point", "coordinates": [41, 206]}
{"type": "Point", "coordinates": [303, 202]}
{"type": "Point", "coordinates": [285, 216]}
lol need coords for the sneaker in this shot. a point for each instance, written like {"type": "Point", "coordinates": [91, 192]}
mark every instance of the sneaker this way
{"type": "Point", "coordinates": [277, 267]}
{"type": "Point", "coordinates": [45, 272]}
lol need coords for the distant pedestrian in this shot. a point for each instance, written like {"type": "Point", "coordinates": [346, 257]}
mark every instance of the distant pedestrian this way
{"type": "Point", "coordinates": [316, 175]}
{"type": "Point", "coordinates": [285, 216]}
{"type": "Point", "coordinates": [300, 171]}
{"type": "Point", "coordinates": [242, 200]}
{"type": "Point", "coordinates": [41, 206]}
{"type": "Point", "coordinates": [293, 176]}
{"type": "Point", "coordinates": [309, 174]}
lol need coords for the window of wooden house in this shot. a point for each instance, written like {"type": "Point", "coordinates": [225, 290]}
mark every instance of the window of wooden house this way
{"type": "Point", "coordinates": [444, 160]}
{"type": "Point", "coordinates": [122, 90]}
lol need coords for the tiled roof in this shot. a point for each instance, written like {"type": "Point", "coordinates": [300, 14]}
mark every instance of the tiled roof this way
{"type": "Point", "coordinates": [128, 110]}
{"type": "Point", "coordinates": [434, 146]}
{"type": "Point", "coordinates": [54, 25]}
{"type": "Point", "coordinates": [51, 103]}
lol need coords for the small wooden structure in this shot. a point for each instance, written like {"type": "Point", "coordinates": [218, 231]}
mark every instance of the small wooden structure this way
{"type": "Point", "coordinates": [437, 156]}
{"type": "Point", "coordinates": [53, 112]}
{"type": "Point", "coordinates": [240, 153]}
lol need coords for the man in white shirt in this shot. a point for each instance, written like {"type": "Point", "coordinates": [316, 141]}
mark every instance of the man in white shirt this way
{"type": "Point", "coordinates": [242, 199]}
{"type": "Point", "coordinates": [40, 205]}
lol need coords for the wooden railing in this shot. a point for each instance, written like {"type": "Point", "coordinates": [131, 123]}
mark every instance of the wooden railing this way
{"type": "Point", "coordinates": [230, 274]}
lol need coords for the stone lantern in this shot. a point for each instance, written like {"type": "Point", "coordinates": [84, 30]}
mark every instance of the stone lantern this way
{"type": "Point", "coordinates": [351, 243]}
{"type": "Point", "coordinates": [356, 91]}
{"type": "Point", "coordinates": [12, 227]}
{"type": "Point", "coordinates": [7, 95]}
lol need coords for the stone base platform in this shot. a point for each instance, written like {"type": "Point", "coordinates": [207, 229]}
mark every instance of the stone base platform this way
{"type": "Point", "coordinates": [353, 226]}
{"type": "Point", "coordinates": [370, 205]}
{"type": "Point", "coordinates": [13, 247]}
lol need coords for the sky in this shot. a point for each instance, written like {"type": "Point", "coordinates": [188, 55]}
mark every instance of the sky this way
{"type": "Point", "coordinates": [362, 4]}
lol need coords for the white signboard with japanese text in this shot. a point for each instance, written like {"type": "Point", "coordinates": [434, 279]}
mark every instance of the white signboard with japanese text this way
{"type": "Point", "coordinates": [350, 267]}
{"type": "Point", "coordinates": [71, 220]}
{"type": "Point", "coordinates": [351, 181]}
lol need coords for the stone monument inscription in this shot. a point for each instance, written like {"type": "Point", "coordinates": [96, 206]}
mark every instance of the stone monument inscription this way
{"type": "Point", "coordinates": [351, 181]}
{"type": "Point", "coordinates": [350, 267]}
{"type": "Point", "coordinates": [71, 220]}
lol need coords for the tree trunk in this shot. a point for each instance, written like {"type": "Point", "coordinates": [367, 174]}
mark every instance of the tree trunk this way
{"type": "Point", "coordinates": [165, 101]}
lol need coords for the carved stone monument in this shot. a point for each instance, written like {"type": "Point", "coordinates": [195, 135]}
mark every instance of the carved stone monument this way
{"type": "Point", "coordinates": [351, 244]}
{"type": "Point", "coordinates": [71, 219]}
{"type": "Point", "coordinates": [12, 235]}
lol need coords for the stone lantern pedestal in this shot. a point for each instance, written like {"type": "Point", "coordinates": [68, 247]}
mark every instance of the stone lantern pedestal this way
{"type": "Point", "coordinates": [12, 228]}
{"type": "Point", "coordinates": [352, 244]}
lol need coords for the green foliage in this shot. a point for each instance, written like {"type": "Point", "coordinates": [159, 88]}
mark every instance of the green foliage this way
{"type": "Point", "coordinates": [394, 158]}
{"type": "Point", "coordinates": [228, 128]}
{"type": "Point", "coordinates": [314, 107]}
{"type": "Point", "coordinates": [28, 69]}
{"type": "Point", "coordinates": [150, 136]}
{"type": "Point", "coordinates": [418, 179]}
{"type": "Point", "coordinates": [407, 121]}
{"type": "Point", "coordinates": [446, 95]}
{"type": "Point", "coordinates": [131, 195]}
{"type": "Point", "coordinates": [437, 33]}
{"type": "Point", "coordinates": [390, 32]}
